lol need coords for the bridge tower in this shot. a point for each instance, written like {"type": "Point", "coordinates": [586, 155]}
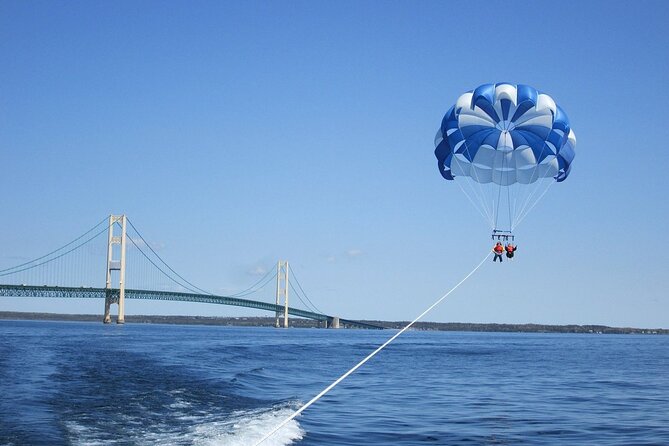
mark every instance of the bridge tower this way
{"type": "Point", "coordinates": [115, 296]}
{"type": "Point", "coordinates": [282, 291]}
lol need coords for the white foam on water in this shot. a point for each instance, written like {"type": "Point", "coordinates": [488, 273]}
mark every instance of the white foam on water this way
{"type": "Point", "coordinates": [180, 404]}
{"type": "Point", "coordinates": [82, 435]}
{"type": "Point", "coordinates": [240, 428]}
{"type": "Point", "coordinates": [243, 428]}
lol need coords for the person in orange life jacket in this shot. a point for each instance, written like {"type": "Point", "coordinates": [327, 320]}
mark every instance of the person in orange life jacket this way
{"type": "Point", "coordinates": [510, 249]}
{"type": "Point", "coordinates": [498, 250]}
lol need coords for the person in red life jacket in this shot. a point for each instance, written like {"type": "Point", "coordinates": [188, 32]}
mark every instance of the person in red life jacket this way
{"type": "Point", "coordinates": [510, 249]}
{"type": "Point", "coordinates": [498, 249]}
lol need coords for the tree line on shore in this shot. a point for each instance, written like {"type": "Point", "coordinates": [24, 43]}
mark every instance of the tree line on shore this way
{"type": "Point", "coordinates": [308, 323]}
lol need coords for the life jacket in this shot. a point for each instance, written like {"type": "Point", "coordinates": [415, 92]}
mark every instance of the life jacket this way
{"type": "Point", "coordinates": [510, 248]}
{"type": "Point", "coordinates": [498, 249]}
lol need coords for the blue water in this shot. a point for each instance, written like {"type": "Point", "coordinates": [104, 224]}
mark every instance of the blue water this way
{"type": "Point", "coordinates": [91, 384]}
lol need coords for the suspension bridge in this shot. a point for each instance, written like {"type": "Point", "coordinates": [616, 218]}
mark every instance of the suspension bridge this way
{"type": "Point", "coordinates": [72, 271]}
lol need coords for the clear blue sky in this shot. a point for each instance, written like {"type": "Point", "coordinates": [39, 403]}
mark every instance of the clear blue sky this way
{"type": "Point", "coordinates": [237, 133]}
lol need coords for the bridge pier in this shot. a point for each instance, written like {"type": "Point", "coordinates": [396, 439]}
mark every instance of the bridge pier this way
{"type": "Point", "coordinates": [107, 316]}
{"type": "Point", "coordinates": [333, 323]}
{"type": "Point", "coordinates": [111, 297]}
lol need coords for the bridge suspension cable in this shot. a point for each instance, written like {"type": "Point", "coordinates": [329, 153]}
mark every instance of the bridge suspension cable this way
{"type": "Point", "coordinates": [31, 264]}
{"type": "Point", "coordinates": [194, 287]}
{"type": "Point", "coordinates": [259, 285]}
{"type": "Point", "coordinates": [161, 270]}
{"type": "Point", "coordinates": [312, 307]}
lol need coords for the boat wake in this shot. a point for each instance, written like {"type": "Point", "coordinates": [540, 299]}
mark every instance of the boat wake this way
{"type": "Point", "coordinates": [238, 428]}
{"type": "Point", "coordinates": [246, 427]}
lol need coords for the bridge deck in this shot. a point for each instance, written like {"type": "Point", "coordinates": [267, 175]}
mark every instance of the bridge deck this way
{"type": "Point", "coordinates": [100, 293]}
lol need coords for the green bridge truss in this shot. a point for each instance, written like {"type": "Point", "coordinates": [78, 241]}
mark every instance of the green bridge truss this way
{"type": "Point", "coordinates": [101, 293]}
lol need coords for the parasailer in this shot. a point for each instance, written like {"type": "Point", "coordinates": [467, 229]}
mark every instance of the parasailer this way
{"type": "Point", "coordinates": [505, 145]}
{"type": "Point", "coordinates": [510, 249]}
{"type": "Point", "coordinates": [498, 250]}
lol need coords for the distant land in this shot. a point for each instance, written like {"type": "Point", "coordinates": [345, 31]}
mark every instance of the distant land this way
{"type": "Point", "coordinates": [307, 323]}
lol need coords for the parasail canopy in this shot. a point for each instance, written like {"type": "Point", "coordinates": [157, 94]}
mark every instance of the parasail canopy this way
{"type": "Point", "coordinates": [505, 135]}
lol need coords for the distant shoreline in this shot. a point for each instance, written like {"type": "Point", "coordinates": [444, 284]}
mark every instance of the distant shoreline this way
{"type": "Point", "coordinates": [306, 323]}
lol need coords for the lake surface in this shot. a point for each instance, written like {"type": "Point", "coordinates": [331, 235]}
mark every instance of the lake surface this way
{"type": "Point", "coordinates": [73, 383]}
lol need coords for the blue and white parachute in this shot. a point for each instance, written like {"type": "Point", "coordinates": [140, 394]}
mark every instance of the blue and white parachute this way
{"type": "Point", "coordinates": [501, 137]}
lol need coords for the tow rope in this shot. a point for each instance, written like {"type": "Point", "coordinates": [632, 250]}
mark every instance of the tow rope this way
{"type": "Point", "coordinates": [370, 356]}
